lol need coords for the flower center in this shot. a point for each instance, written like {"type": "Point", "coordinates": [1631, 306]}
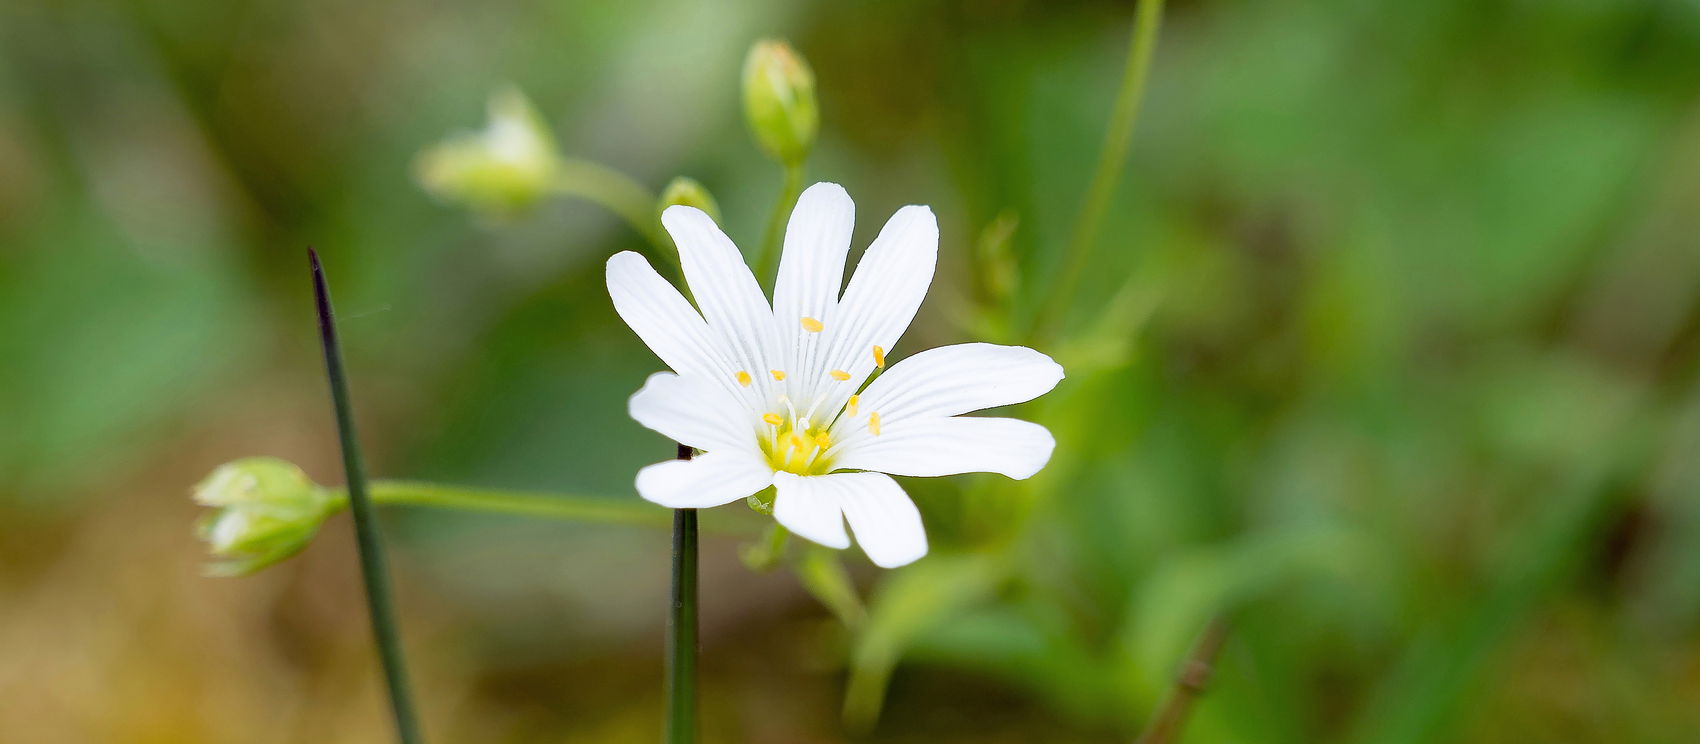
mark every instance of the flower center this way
{"type": "Point", "coordinates": [794, 442]}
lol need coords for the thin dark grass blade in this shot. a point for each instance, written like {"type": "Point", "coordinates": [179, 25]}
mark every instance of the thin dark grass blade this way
{"type": "Point", "coordinates": [378, 602]}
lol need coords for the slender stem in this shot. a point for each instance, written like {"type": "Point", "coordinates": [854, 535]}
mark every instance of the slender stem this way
{"type": "Point", "coordinates": [681, 684]}
{"type": "Point", "coordinates": [372, 568]}
{"type": "Point", "coordinates": [565, 507]}
{"type": "Point", "coordinates": [776, 223]}
{"type": "Point", "coordinates": [519, 503]}
{"type": "Point", "coordinates": [618, 193]}
{"type": "Point", "coordinates": [1112, 157]}
{"type": "Point", "coordinates": [1166, 724]}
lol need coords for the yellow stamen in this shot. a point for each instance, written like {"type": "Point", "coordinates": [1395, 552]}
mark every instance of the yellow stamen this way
{"type": "Point", "coordinates": [797, 441]}
{"type": "Point", "coordinates": [839, 375]}
{"type": "Point", "coordinates": [777, 374]}
{"type": "Point", "coordinates": [811, 325]}
{"type": "Point", "coordinates": [743, 378]}
{"type": "Point", "coordinates": [874, 423]}
{"type": "Point", "coordinates": [772, 418]}
{"type": "Point", "coordinates": [853, 400]}
{"type": "Point", "coordinates": [879, 357]}
{"type": "Point", "coordinates": [823, 440]}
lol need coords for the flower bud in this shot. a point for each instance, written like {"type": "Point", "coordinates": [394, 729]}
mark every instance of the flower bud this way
{"type": "Point", "coordinates": [779, 101]}
{"type": "Point", "coordinates": [263, 511]}
{"type": "Point", "coordinates": [499, 171]}
{"type": "Point", "coordinates": [688, 192]}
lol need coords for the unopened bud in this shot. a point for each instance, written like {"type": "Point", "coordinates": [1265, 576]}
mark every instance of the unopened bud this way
{"type": "Point", "coordinates": [688, 192]}
{"type": "Point", "coordinates": [779, 101]}
{"type": "Point", "coordinates": [263, 510]}
{"type": "Point", "coordinates": [499, 171]}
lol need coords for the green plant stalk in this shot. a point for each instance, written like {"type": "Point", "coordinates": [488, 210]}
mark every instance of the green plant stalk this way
{"type": "Point", "coordinates": [378, 601]}
{"type": "Point", "coordinates": [618, 193]}
{"type": "Point", "coordinates": [768, 266]}
{"type": "Point", "coordinates": [1112, 158]}
{"type": "Point", "coordinates": [563, 507]}
{"type": "Point", "coordinates": [518, 503]}
{"type": "Point", "coordinates": [681, 682]}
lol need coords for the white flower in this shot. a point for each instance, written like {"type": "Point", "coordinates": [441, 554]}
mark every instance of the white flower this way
{"type": "Point", "coordinates": [770, 394]}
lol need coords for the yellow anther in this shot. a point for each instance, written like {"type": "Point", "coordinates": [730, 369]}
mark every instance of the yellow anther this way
{"type": "Point", "coordinates": [777, 374]}
{"type": "Point", "coordinates": [839, 375]}
{"type": "Point", "coordinates": [874, 423]}
{"type": "Point", "coordinates": [772, 418]}
{"type": "Point", "coordinates": [879, 357]}
{"type": "Point", "coordinates": [852, 406]}
{"type": "Point", "coordinates": [743, 378]}
{"type": "Point", "coordinates": [797, 441]}
{"type": "Point", "coordinates": [823, 440]}
{"type": "Point", "coordinates": [811, 325]}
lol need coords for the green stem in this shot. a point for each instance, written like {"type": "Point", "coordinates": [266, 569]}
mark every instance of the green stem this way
{"type": "Point", "coordinates": [618, 193]}
{"type": "Point", "coordinates": [519, 503]}
{"type": "Point", "coordinates": [565, 507]}
{"type": "Point", "coordinates": [1112, 157]}
{"type": "Point", "coordinates": [681, 684]}
{"type": "Point", "coordinates": [770, 241]}
{"type": "Point", "coordinates": [378, 601]}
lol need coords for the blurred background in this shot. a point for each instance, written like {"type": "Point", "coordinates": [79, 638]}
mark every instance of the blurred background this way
{"type": "Point", "coordinates": [1388, 353]}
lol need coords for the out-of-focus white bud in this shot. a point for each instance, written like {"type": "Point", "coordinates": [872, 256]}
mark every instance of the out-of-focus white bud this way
{"type": "Point", "coordinates": [499, 171]}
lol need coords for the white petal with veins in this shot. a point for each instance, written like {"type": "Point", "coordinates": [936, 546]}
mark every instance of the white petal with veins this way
{"type": "Point", "coordinates": [726, 292]}
{"type": "Point", "coordinates": [808, 506]}
{"type": "Point", "coordinates": [709, 479]}
{"type": "Point", "coordinates": [885, 520]}
{"type": "Point", "coordinates": [948, 446]}
{"type": "Point", "coordinates": [695, 412]}
{"type": "Point", "coordinates": [660, 316]}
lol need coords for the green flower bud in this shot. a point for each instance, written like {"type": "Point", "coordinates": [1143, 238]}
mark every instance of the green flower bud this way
{"type": "Point", "coordinates": [688, 192]}
{"type": "Point", "coordinates": [263, 511]}
{"type": "Point", "coordinates": [779, 101]}
{"type": "Point", "coordinates": [499, 171]}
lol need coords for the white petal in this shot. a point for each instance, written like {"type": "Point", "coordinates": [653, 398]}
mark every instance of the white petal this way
{"type": "Point", "coordinates": [709, 479]}
{"type": "Point", "coordinates": [726, 292]}
{"type": "Point", "coordinates": [881, 298]}
{"type": "Point", "coordinates": [811, 271]}
{"type": "Point", "coordinates": [660, 316]}
{"type": "Point", "coordinates": [808, 506]}
{"type": "Point", "coordinates": [953, 380]}
{"type": "Point", "coordinates": [885, 520]}
{"type": "Point", "coordinates": [693, 411]}
{"type": "Point", "coordinates": [947, 446]}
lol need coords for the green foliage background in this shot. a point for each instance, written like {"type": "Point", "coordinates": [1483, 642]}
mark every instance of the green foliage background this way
{"type": "Point", "coordinates": [1389, 353]}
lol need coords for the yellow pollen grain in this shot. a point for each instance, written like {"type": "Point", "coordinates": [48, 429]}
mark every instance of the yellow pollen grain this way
{"type": "Point", "coordinates": [852, 405]}
{"type": "Point", "coordinates": [778, 374]}
{"type": "Point", "coordinates": [823, 440]}
{"type": "Point", "coordinates": [811, 325]}
{"type": "Point", "coordinates": [772, 418]}
{"type": "Point", "coordinates": [879, 357]}
{"type": "Point", "coordinates": [743, 378]}
{"type": "Point", "coordinates": [839, 375]}
{"type": "Point", "coordinates": [874, 423]}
